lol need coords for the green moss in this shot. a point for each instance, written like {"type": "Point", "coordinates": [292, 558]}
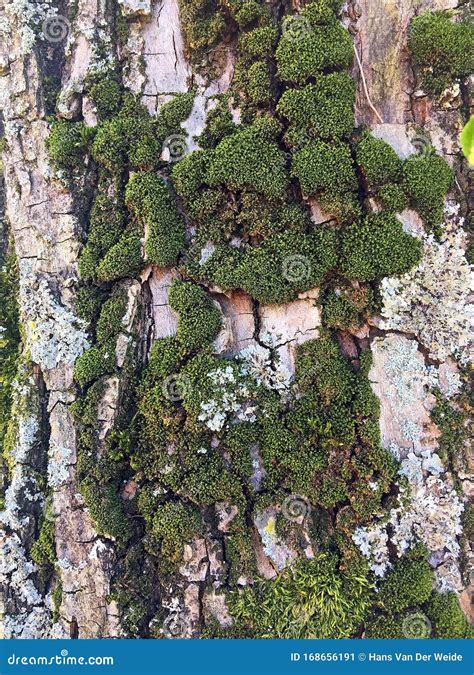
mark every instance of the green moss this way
{"type": "Point", "coordinates": [306, 50]}
{"type": "Point", "coordinates": [107, 217]}
{"type": "Point", "coordinates": [384, 628]}
{"type": "Point", "coordinates": [442, 51]}
{"type": "Point", "coordinates": [251, 12]}
{"type": "Point", "coordinates": [9, 341]}
{"type": "Point", "coordinates": [258, 43]}
{"type": "Point", "coordinates": [410, 583]}
{"type": "Point", "coordinates": [94, 363]}
{"type": "Point", "coordinates": [378, 247]}
{"type": "Point", "coordinates": [378, 161]}
{"type": "Point", "coordinates": [173, 525]}
{"type": "Point", "coordinates": [324, 167]}
{"type": "Point", "coordinates": [426, 181]}
{"type": "Point", "coordinates": [321, 109]}
{"type": "Point", "coordinates": [277, 271]}
{"type": "Point", "coordinates": [124, 259]}
{"type": "Point", "coordinates": [447, 618]}
{"type": "Point", "coordinates": [106, 95]}
{"type": "Point", "coordinates": [43, 551]}
{"type": "Point", "coordinates": [203, 25]}
{"type": "Point", "coordinates": [321, 369]}
{"type": "Point", "coordinates": [312, 599]}
{"type": "Point", "coordinates": [149, 199]}
{"type": "Point", "coordinates": [219, 124]}
{"type": "Point", "coordinates": [174, 112]}
{"type": "Point", "coordinates": [255, 82]}
{"type": "Point", "coordinates": [57, 597]}
{"type": "Point", "coordinates": [392, 197]}
{"type": "Point", "coordinates": [451, 423]}
{"type": "Point", "coordinates": [199, 318]}
{"type": "Point", "coordinates": [106, 510]}
{"type": "Point", "coordinates": [247, 160]}
{"type": "Point", "coordinates": [87, 303]}
{"type": "Point", "coordinates": [129, 137]}
{"type": "Point", "coordinates": [110, 320]}
{"type": "Point", "coordinates": [342, 307]}
{"type": "Point", "coordinates": [67, 143]}
{"type": "Point", "coordinates": [165, 357]}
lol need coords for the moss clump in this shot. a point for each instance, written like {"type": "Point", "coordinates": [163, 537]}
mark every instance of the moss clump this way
{"type": "Point", "coordinates": [442, 51]}
{"type": "Point", "coordinates": [255, 82]}
{"type": "Point", "coordinates": [174, 524]}
{"type": "Point", "coordinates": [259, 42]}
{"type": "Point", "coordinates": [106, 95]}
{"type": "Point", "coordinates": [106, 224]}
{"type": "Point", "coordinates": [110, 320]}
{"type": "Point", "coordinates": [277, 271]}
{"type": "Point", "coordinates": [379, 162]}
{"type": "Point", "coordinates": [392, 197]}
{"type": "Point", "coordinates": [322, 109]}
{"type": "Point", "coordinates": [342, 307]}
{"type": "Point", "coordinates": [174, 112]}
{"type": "Point", "coordinates": [107, 510]}
{"type": "Point", "coordinates": [324, 167]}
{"type": "Point", "coordinates": [9, 341]}
{"type": "Point", "coordinates": [124, 259]}
{"type": "Point", "coordinates": [309, 600]}
{"type": "Point", "coordinates": [87, 303]}
{"type": "Point", "coordinates": [447, 618]}
{"type": "Point", "coordinates": [378, 247]}
{"type": "Point", "coordinates": [248, 160]}
{"type": "Point", "coordinates": [67, 143]}
{"type": "Point", "coordinates": [203, 24]}
{"type": "Point", "coordinates": [149, 199]}
{"type": "Point", "coordinates": [251, 12]}
{"type": "Point", "coordinates": [219, 124]}
{"type": "Point", "coordinates": [306, 48]}
{"type": "Point", "coordinates": [426, 181]}
{"type": "Point", "coordinates": [409, 584]}
{"type": "Point", "coordinates": [94, 363]}
{"type": "Point", "coordinates": [128, 138]}
{"type": "Point", "coordinates": [199, 318]}
{"type": "Point", "coordinates": [43, 551]}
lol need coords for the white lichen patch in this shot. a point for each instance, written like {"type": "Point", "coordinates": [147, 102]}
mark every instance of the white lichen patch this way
{"type": "Point", "coordinates": [54, 335]}
{"type": "Point", "coordinates": [60, 459]}
{"type": "Point", "coordinates": [429, 511]}
{"type": "Point", "coordinates": [432, 300]}
{"type": "Point", "coordinates": [257, 362]}
{"type": "Point", "coordinates": [403, 383]}
{"type": "Point", "coordinates": [25, 19]}
{"type": "Point", "coordinates": [232, 398]}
